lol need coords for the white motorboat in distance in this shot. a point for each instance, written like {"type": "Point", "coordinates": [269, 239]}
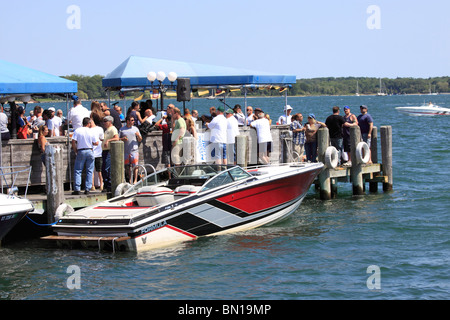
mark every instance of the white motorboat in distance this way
{"type": "Point", "coordinates": [186, 202]}
{"type": "Point", "coordinates": [429, 109]}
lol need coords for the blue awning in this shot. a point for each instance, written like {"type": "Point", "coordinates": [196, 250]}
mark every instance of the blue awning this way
{"type": "Point", "coordinates": [132, 73]}
{"type": "Point", "coordinates": [16, 79]}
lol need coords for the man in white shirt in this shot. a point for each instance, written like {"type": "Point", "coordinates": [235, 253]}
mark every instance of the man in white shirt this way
{"type": "Point", "coordinates": [262, 127]}
{"type": "Point", "coordinates": [57, 122]}
{"type": "Point", "coordinates": [77, 114]}
{"type": "Point", "coordinates": [83, 142]}
{"type": "Point", "coordinates": [286, 117]}
{"type": "Point", "coordinates": [218, 127]}
{"type": "Point", "coordinates": [232, 132]}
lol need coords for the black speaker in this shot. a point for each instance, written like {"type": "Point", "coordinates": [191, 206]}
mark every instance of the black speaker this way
{"type": "Point", "coordinates": [184, 89]}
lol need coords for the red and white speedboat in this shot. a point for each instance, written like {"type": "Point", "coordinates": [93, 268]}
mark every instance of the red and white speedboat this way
{"type": "Point", "coordinates": [187, 202]}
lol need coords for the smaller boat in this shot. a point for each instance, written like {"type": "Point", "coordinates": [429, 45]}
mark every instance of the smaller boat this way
{"type": "Point", "coordinates": [12, 207]}
{"type": "Point", "coordinates": [429, 109]}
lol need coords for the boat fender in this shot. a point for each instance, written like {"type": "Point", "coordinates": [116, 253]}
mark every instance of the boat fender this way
{"type": "Point", "coordinates": [62, 210]}
{"type": "Point", "coordinates": [362, 148]}
{"type": "Point", "coordinates": [122, 188]}
{"type": "Point", "coordinates": [331, 157]}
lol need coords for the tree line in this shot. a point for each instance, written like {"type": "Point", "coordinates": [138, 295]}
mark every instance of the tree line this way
{"type": "Point", "coordinates": [90, 87]}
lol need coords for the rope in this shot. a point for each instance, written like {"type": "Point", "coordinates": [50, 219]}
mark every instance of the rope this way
{"type": "Point", "coordinates": [42, 225]}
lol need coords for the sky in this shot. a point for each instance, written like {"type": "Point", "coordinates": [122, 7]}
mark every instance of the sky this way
{"type": "Point", "coordinates": [308, 39]}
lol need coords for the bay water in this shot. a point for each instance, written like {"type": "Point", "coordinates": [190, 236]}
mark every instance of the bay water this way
{"type": "Point", "coordinates": [384, 245]}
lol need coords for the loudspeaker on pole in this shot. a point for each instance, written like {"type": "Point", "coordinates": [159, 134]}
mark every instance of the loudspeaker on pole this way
{"type": "Point", "coordinates": [184, 89]}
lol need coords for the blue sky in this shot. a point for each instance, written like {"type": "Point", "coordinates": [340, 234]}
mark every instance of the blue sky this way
{"type": "Point", "coordinates": [308, 39]}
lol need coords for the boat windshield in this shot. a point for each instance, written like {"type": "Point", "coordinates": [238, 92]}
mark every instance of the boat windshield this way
{"type": "Point", "coordinates": [226, 177]}
{"type": "Point", "coordinates": [201, 173]}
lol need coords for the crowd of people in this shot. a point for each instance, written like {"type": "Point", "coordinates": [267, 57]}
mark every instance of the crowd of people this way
{"type": "Point", "coordinates": [305, 135]}
{"type": "Point", "coordinates": [95, 129]}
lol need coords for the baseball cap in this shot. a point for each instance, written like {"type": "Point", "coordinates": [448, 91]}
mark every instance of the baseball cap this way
{"type": "Point", "coordinates": [52, 109]}
{"type": "Point", "coordinates": [221, 109]}
{"type": "Point", "coordinates": [311, 115]}
{"type": "Point", "coordinates": [363, 106]}
{"type": "Point", "coordinates": [230, 111]}
{"type": "Point", "coordinates": [346, 107]}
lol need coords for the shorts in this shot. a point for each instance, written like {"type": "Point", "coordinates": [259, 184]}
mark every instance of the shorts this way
{"type": "Point", "coordinates": [98, 164]}
{"type": "Point", "coordinates": [132, 159]}
{"type": "Point", "coordinates": [365, 138]}
{"type": "Point", "coordinates": [221, 151]}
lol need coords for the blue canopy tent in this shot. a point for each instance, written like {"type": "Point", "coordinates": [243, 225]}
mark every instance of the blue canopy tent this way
{"type": "Point", "coordinates": [19, 82]}
{"type": "Point", "coordinates": [16, 80]}
{"type": "Point", "coordinates": [132, 75]}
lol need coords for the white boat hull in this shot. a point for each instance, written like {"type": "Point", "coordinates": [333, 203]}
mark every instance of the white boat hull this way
{"type": "Point", "coordinates": [426, 110]}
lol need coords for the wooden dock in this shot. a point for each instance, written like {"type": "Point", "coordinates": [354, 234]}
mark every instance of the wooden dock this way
{"type": "Point", "coordinates": [56, 172]}
{"type": "Point", "coordinates": [359, 173]}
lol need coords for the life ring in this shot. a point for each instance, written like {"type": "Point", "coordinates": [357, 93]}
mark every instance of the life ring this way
{"type": "Point", "coordinates": [122, 188]}
{"type": "Point", "coordinates": [63, 210]}
{"type": "Point", "coordinates": [331, 157]}
{"type": "Point", "coordinates": [362, 148]}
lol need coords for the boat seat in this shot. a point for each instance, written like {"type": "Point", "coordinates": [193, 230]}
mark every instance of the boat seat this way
{"type": "Point", "coordinates": [154, 196]}
{"type": "Point", "coordinates": [184, 191]}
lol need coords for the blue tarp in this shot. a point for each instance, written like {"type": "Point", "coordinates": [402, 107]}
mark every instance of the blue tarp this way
{"type": "Point", "coordinates": [133, 73]}
{"type": "Point", "coordinates": [16, 79]}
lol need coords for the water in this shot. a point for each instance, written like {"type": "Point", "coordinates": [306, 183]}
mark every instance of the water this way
{"type": "Point", "coordinates": [322, 251]}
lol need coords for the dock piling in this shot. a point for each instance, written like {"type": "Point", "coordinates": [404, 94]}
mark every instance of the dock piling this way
{"type": "Point", "coordinates": [386, 151]}
{"type": "Point", "coordinates": [356, 169]}
{"type": "Point", "coordinates": [54, 180]}
{"type": "Point", "coordinates": [117, 164]}
{"type": "Point", "coordinates": [242, 155]}
{"type": "Point", "coordinates": [323, 140]}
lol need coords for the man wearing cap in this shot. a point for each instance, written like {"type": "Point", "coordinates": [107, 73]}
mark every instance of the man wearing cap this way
{"type": "Point", "coordinates": [218, 127]}
{"type": "Point", "coordinates": [77, 114]}
{"type": "Point", "coordinates": [232, 132]}
{"type": "Point", "coordinates": [286, 117]}
{"type": "Point", "coordinates": [83, 141]}
{"type": "Point", "coordinates": [111, 134]}
{"type": "Point", "coordinates": [57, 122]}
{"type": "Point", "coordinates": [365, 123]}
{"type": "Point", "coordinates": [334, 124]}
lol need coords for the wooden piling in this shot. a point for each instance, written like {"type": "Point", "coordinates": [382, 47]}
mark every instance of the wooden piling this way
{"type": "Point", "coordinates": [242, 154]}
{"type": "Point", "coordinates": [386, 152]}
{"type": "Point", "coordinates": [54, 180]}
{"type": "Point", "coordinates": [189, 151]}
{"type": "Point", "coordinates": [373, 186]}
{"type": "Point", "coordinates": [323, 141]}
{"type": "Point", "coordinates": [356, 169]}
{"type": "Point", "coordinates": [117, 164]}
{"type": "Point", "coordinates": [286, 149]}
